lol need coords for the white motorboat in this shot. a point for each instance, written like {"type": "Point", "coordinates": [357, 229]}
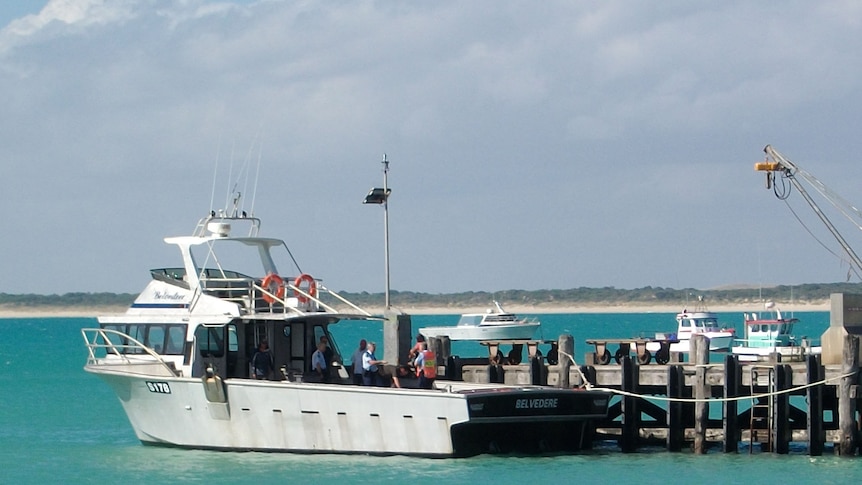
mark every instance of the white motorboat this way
{"type": "Point", "coordinates": [179, 361]}
{"type": "Point", "coordinates": [770, 333]}
{"type": "Point", "coordinates": [494, 324]}
{"type": "Point", "coordinates": [701, 321]}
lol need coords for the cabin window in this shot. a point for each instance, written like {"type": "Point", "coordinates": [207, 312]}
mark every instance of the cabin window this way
{"type": "Point", "coordinates": [163, 339]}
{"type": "Point", "coordinates": [210, 341]}
{"type": "Point", "coordinates": [114, 338]}
{"type": "Point", "coordinates": [139, 333]}
{"type": "Point", "coordinates": [156, 338]}
{"type": "Point", "coordinates": [685, 323]}
{"type": "Point", "coordinates": [176, 339]}
{"type": "Point", "coordinates": [470, 320]}
{"type": "Point", "coordinates": [232, 341]}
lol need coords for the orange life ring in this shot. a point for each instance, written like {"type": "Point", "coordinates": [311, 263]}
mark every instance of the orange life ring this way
{"type": "Point", "coordinates": [267, 283]}
{"type": "Point", "coordinates": [312, 287]}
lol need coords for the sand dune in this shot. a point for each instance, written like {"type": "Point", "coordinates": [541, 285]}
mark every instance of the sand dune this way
{"type": "Point", "coordinates": [75, 311]}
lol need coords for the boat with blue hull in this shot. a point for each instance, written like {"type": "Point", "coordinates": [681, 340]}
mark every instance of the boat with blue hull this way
{"type": "Point", "coordinates": [770, 334]}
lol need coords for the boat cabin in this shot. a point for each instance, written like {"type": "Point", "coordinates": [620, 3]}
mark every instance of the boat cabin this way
{"type": "Point", "coordinates": [227, 297]}
{"type": "Point", "coordinates": [769, 330]}
{"type": "Point", "coordinates": [697, 322]}
{"type": "Point", "coordinates": [228, 348]}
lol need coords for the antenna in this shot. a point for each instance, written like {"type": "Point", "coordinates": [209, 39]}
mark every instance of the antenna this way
{"type": "Point", "coordinates": [256, 175]}
{"type": "Point", "coordinates": [229, 176]}
{"type": "Point", "coordinates": [215, 174]}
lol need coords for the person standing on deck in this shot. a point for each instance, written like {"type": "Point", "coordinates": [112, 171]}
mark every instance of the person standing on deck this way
{"type": "Point", "coordinates": [328, 354]}
{"type": "Point", "coordinates": [262, 361]}
{"type": "Point", "coordinates": [370, 376]}
{"type": "Point", "coordinates": [357, 363]}
{"type": "Point", "coordinates": [318, 364]}
{"type": "Point", "coordinates": [414, 351]}
{"type": "Point", "coordinates": [426, 367]}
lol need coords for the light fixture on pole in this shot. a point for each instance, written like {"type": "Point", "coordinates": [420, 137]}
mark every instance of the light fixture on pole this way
{"type": "Point", "coordinates": [381, 196]}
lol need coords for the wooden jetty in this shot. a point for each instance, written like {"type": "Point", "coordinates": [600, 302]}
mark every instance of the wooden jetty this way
{"type": "Point", "coordinates": [698, 405]}
{"type": "Point", "coordinates": [701, 405]}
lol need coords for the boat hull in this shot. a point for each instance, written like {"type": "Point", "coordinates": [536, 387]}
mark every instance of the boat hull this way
{"type": "Point", "coordinates": [519, 331]}
{"type": "Point", "coordinates": [717, 343]}
{"type": "Point", "coordinates": [785, 352]}
{"type": "Point", "coordinates": [321, 418]}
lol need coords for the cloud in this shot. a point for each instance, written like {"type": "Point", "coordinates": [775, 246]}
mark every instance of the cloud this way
{"type": "Point", "coordinates": [71, 14]}
{"type": "Point", "coordinates": [554, 145]}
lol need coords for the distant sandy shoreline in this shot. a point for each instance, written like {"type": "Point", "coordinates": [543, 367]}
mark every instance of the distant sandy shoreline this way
{"type": "Point", "coordinates": [91, 312]}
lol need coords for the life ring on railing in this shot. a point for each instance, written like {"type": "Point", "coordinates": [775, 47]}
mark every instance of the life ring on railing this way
{"type": "Point", "coordinates": [278, 291]}
{"type": "Point", "coordinates": [312, 287]}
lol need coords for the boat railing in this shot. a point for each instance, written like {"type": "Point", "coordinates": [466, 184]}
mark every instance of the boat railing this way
{"type": "Point", "coordinates": [122, 349]}
{"type": "Point", "coordinates": [772, 342]}
{"type": "Point", "coordinates": [239, 290]}
{"type": "Point", "coordinates": [282, 304]}
{"type": "Point", "coordinates": [249, 294]}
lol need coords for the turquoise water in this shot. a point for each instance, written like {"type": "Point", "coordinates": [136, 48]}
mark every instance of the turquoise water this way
{"type": "Point", "coordinates": [61, 425]}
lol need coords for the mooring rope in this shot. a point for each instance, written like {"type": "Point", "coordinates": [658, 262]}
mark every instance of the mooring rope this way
{"type": "Point", "coordinates": [588, 385]}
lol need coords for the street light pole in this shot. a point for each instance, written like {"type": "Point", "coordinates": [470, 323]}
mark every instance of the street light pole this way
{"type": "Point", "coordinates": [396, 325]}
{"type": "Point", "coordinates": [386, 227]}
{"type": "Point", "coordinates": [381, 196]}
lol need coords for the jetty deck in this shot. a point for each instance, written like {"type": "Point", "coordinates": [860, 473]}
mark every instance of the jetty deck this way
{"type": "Point", "coordinates": [701, 405]}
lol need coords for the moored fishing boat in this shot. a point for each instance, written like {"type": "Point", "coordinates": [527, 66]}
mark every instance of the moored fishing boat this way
{"type": "Point", "coordinates": [701, 321]}
{"type": "Point", "coordinates": [494, 324]}
{"type": "Point", "coordinates": [180, 362]}
{"type": "Point", "coordinates": [771, 333]}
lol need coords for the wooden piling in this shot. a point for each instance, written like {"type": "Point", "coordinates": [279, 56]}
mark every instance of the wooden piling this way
{"type": "Point", "coordinates": [730, 413]}
{"type": "Point", "coordinates": [814, 394]}
{"type": "Point", "coordinates": [536, 371]}
{"type": "Point", "coordinates": [847, 397]}
{"type": "Point", "coordinates": [781, 410]}
{"type": "Point", "coordinates": [589, 373]}
{"type": "Point", "coordinates": [566, 351]}
{"type": "Point", "coordinates": [630, 411]}
{"type": "Point", "coordinates": [675, 423]}
{"type": "Point", "coordinates": [699, 351]}
{"type": "Point", "coordinates": [496, 374]}
{"type": "Point", "coordinates": [454, 368]}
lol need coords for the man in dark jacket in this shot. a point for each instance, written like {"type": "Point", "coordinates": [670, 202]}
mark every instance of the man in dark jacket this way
{"type": "Point", "coordinates": [262, 362]}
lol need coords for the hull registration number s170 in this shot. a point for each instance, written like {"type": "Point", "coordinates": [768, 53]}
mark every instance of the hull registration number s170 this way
{"type": "Point", "coordinates": [159, 387]}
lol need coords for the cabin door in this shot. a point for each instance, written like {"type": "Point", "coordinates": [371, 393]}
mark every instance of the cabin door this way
{"type": "Point", "coordinates": [210, 350]}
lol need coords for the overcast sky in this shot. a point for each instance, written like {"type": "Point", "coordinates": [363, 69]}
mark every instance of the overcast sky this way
{"type": "Point", "coordinates": [532, 144]}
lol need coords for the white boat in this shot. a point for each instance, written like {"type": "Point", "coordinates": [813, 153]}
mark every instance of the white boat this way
{"type": "Point", "coordinates": [701, 321]}
{"type": "Point", "coordinates": [771, 333]}
{"type": "Point", "coordinates": [179, 361]}
{"type": "Point", "coordinates": [494, 324]}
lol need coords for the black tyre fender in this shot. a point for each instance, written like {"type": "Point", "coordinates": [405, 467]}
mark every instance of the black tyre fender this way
{"type": "Point", "coordinates": [605, 358]}
{"type": "Point", "coordinates": [644, 358]}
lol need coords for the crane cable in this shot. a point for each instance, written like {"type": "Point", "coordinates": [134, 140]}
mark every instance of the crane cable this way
{"type": "Point", "coordinates": [783, 193]}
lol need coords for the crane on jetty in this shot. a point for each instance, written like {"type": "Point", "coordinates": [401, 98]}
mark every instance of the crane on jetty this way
{"type": "Point", "coordinates": [779, 171]}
